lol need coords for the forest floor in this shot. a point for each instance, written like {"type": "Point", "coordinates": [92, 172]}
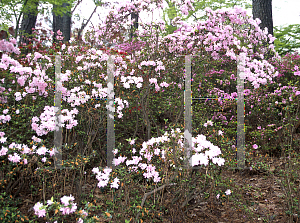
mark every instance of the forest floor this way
{"type": "Point", "coordinates": [256, 196]}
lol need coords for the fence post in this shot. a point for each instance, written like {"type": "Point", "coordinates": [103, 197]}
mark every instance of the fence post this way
{"type": "Point", "coordinates": [188, 111]}
{"type": "Point", "coordinates": [110, 112]}
{"type": "Point", "coordinates": [57, 104]}
{"type": "Point", "coordinates": [240, 113]}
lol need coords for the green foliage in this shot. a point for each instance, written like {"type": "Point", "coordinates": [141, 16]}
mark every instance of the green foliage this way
{"type": "Point", "coordinates": [9, 211]}
{"type": "Point", "coordinates": [171, 12]}
{"type": "Point", "coordinates": [287, 39]}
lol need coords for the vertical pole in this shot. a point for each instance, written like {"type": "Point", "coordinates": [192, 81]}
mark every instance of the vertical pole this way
{"type": "Point", "coordinates": [110, 112]}
{"type": "Point", "coordinates": [188, 111]}
{"type": "Point", "coordinates": [240, 113]}
{"type": "Point", "coordinates": [57, 104]}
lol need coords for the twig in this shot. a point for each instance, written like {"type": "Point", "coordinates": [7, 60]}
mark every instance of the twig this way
{"type": "Point", "coordinates": [76, 6]}
{"type": "Point", "coordinates": [191, 196]}
{"type": "Point", "coordinates": [154, 191]}
{"type": "Point", "coordinates": [85, 24]}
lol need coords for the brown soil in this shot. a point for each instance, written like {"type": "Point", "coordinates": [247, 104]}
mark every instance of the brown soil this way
{"type": "Point", "coordinates": [256, 197]}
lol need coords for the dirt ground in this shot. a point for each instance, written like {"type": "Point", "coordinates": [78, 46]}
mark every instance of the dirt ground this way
{"type": "Point", "coordinates": [257, 196]}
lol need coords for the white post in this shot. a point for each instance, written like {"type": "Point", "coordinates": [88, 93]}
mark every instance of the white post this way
{"type": "Point", "coordinates": [188, 111]}
{"type": "Point", "coordinates": [240, 113]}
{"type": "Point", "coordinates": [110, 112]}
{"type": "Point", "coordinates": [57, 104]}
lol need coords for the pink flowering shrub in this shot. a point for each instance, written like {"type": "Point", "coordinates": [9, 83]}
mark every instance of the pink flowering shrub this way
{"type": "Point", "coordinates": [146, 71]}
{"type": "Point", "coordinates": [65, 210]}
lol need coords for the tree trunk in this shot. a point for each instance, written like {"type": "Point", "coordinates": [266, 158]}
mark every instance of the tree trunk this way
{"type": "Point", "coordinates": [62, 23]}
{"type": "Point", "coordinates": [135, 17]}
{"type": "Point", "coordinates": [28, 23]}
{"type": "Point", "coordinates": [262, 9]}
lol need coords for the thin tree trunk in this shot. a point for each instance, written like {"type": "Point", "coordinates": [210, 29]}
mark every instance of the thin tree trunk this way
{"type": "Point", "coordinates": [135, 26]}
{"type": "Point", "coordinates": [85, 24]}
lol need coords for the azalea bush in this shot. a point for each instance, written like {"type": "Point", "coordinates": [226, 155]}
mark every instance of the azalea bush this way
{"type": "Point", "coordinates": [146, 70]}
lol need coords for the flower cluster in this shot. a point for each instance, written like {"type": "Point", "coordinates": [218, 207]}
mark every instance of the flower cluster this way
{"type": "Point", "coordinates": [103, 178]}
{"type": "Point", "coordinates": [39, 210]}
{"type": "Point", "coordinates": [152, 148]}
{"type": "Point", "coordinates": [136, 80]}
{"type": "Point", "coordinates": [8, 46]}
{"type": "Point", "coordinates": [67, 201]}
{"type": "Point", "coordinates": [203, 158]}
{"type": "Point", "coordinates": [21, 152]}
{"type": "Point", "coordinates": [48, 118]}
{"type": "Point", "coordinates": [66, 207]}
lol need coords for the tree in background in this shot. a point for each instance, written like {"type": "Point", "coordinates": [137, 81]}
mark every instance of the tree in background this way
{"type": "Point", "coordinates": [23, 15]}
{"type": "Point", "coordinates": [11, 11]}
{"type": "Point", "coordinates": [135, 26]}
{"type": "Point", "coordinates": [62, 20]}
{"type": "Point", "coordinates": [262, 9]}
{"type": "Point", "coordinates": [29, 20]}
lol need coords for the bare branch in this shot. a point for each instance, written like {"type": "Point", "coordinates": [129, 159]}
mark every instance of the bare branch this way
{"type": "Point", "coordinates": [85, 24]}
{"type": "Point", "coordinates": [79, 1]}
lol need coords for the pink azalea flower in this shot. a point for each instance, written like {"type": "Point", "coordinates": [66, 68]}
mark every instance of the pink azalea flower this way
{"type": "Point", "coordinates": [133, 150]}
{"type": "Point", "coordinates": [42, 150]}
{"type": "Point", "coordinates": [59, 32]}
{"type": "Point", "coordinates": [102, 183]}
{"type": "Point", "coordinates": [3, 151]}
{"type": "Point", "coordinates": [67, 210]}
{"type": "Point", "coordinates": [52, 152]}
{"type": "Point", "coordinates": [65, 199]}
{"type": "Point", "coordinates": [3, 139]}
{"type": "Point", "coordinates": [95, 170]}
{"type": "Point", "coordinates": [15, 158]}
{"type": "Point", "coordinates": [297, 73]}
{"type": "Point", "coordinates": [34, 138]}
{"type": "Point", "coordinates": [210, 123]}
{"type": "Point", "coordinates": [132, 142]}
{"type": "Point", "coordinates": [115, 183]}
{"type": "Point", "coordinates": [38, 210]}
